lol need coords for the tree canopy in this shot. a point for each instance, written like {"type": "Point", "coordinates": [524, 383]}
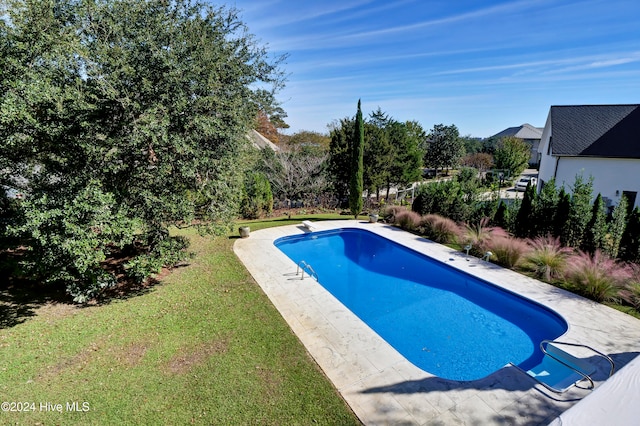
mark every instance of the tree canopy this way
{"type": "Point", "coordinates": [406, 139]}
{"type": "Point", "coordinates": [392, 152]}
{"type": "Point", "coordinates": [512, 154]}
{"type": "Point", "coordinates": [120, 119]}
{"type": "Point", "coordinates": [445, 148]}
{"type": "Point", "coordinates": [378, 152]}
{"type": "Point", "coordinates": [309, 140]}
{"type": "Point", "coordinates": [340, 156]}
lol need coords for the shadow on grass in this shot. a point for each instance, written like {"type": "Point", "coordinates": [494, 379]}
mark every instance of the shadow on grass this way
{"type": "Point", "coordinates": [128, 288]}
{"type": "Point", "coordinates": [19, 299]}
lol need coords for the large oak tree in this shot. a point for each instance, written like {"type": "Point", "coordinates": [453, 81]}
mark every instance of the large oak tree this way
{"type": "Point", "coordinates": [120, 119]}
{"type": "Point", "coordinates": [445, 148]}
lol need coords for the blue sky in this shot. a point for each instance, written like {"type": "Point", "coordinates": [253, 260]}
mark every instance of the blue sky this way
{"type": "Point", "coordinates": [481, 65]}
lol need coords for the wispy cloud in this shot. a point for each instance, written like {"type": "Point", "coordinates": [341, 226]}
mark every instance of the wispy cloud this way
{"type": "Point", "coordinates": [597, 63]}
{"type": "Point", "coordinates": [367, 59]}
{"type": "Point", "coordinates": [277, 14]}
{"type": "Point", "coordinates": [512, 7]}
{"type": "Point", "coordinates": [555, 65]}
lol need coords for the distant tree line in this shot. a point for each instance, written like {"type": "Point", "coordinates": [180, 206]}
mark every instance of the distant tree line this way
{"type": "Point", "coordinates": [392, 155]}
{"type": "Point", "coordinates": [313, 169]}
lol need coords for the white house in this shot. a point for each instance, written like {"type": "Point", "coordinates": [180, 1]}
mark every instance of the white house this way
{"type": "Point", "coordinates": [602, 141]}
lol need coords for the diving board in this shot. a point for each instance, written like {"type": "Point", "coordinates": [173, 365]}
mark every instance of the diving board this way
{"type": "Point", "coordinates": [309, 225]}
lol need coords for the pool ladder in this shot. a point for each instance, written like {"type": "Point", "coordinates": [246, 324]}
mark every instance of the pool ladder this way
{"type": "Point", "coordinates": [304, 266]}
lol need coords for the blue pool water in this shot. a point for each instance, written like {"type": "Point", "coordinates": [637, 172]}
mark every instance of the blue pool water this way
{"type": "Point", "coordinates": [446, 322]}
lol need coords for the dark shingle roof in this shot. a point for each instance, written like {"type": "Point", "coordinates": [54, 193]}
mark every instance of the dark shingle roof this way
{"type": "Point", "coordinates": [611, 131]}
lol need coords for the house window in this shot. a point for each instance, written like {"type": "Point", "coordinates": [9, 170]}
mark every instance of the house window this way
{"type": "Point", "coordinates": [549, 146]}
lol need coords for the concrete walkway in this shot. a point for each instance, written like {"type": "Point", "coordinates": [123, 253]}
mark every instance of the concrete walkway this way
{"type": "Point", "coordinates": [382, 387]}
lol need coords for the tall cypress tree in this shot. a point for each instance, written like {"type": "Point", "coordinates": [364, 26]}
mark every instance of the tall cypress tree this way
{"type": "Point", "coordinates": [544, 210]}
{"type": "Point", "coordinates": [579, 212]}
{"type": "Point", "coordinates": [630, 243]}
{"type": "Point", "coordinates": [500, 218]}
{"type": "Point", "coordinates": [357, 168]}
{"type": "Point", "coordinates": [616, 227]}
{"type": "Point", "coordinates": [562, 215]}
{"type": "Point", "coordinates": [524, 222]}
{"type": "Point", "coordinates": [596, 232]}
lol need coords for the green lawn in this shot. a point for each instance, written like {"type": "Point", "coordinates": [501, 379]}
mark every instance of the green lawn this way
{"type": "Point", "coordinates": [205, 346]}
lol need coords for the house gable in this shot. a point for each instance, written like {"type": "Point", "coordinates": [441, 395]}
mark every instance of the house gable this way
{"type": "Point", "coordinates": [526, 131]}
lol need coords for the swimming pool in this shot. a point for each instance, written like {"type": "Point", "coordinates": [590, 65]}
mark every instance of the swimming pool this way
{"type": "Point", "coordinates": [444, 321]}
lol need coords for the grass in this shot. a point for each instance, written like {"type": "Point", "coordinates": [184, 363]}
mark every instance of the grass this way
{"type": "Point", "coordinates": [205, 346]}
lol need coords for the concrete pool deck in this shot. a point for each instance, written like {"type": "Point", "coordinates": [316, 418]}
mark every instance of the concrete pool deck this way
{"type": "Point", "coordinates": [382, 387]}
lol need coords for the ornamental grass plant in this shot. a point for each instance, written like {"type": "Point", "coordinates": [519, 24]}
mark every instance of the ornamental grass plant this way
{"type": "Point", "coordinates": [408, 220]}
{"type": "Point", "coordinates": [508, 251]}
{"type": "Point", "coordinates": [440, 229]}
{"type": "Point", "coordinates": [390, 211]}
{"type": "Point", "coordinates": [630, 293]}
{"type": "Point", "coordinates": [547, 258]}
{"type": "Point", "coordinates": [479, 236]}
{"type": "Point", "coordinates": [597, 276]}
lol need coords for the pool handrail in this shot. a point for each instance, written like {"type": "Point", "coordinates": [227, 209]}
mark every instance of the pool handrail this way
{"type": "Point", "coordinates": [566, 360]}
{"type": "Point", "coordinates": [302, 266]}
{"type": "Point", "coordinates": [557, 342]}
